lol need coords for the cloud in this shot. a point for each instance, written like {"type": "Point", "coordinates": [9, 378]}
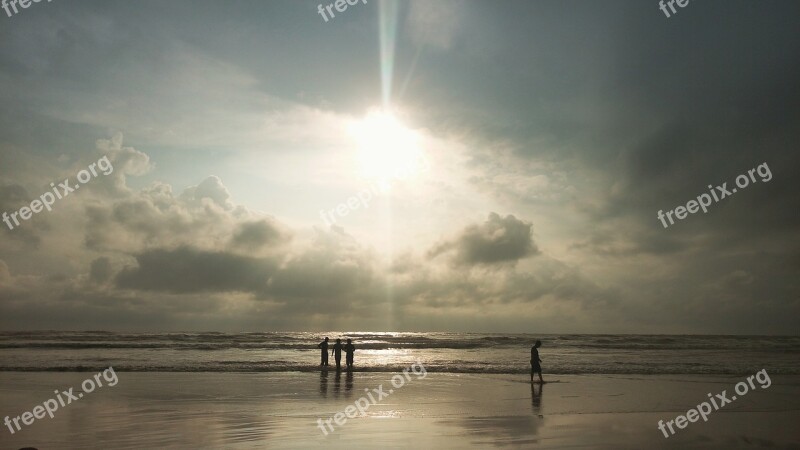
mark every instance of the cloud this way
{"type": "Point", "coordinates": [100, 271]}
{"type": "Point", "coordinates": [27, 233]}
{"type": "Point", "coordinates": [126, 161]}
{"type": "Point", "coordinates": [210, 189]}
{"type": "Point", "coordinates": [153, 217]}
{"type": "Point", "coordinates": [187, 270]}
{"type": "Point", "coordinates": [257, 234]}
{"type": "Point", "coordinates": [498, 240]}
{"type": "Point", "coordinates": [334, 273]}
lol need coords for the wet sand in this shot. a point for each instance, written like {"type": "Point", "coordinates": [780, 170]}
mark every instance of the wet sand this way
{"type": "Point", "coordinates": [280, 410]}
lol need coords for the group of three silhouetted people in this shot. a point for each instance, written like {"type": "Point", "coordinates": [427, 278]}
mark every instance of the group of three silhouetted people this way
{"type": "Point", "coordinates": [336, 351]}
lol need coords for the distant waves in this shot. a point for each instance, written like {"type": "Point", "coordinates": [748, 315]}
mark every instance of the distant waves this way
{"type": "Point", "coordinates": [389, 352]}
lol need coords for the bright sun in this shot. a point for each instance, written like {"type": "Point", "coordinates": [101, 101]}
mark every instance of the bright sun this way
{"type": "Point", "coordinates": [387, 150]}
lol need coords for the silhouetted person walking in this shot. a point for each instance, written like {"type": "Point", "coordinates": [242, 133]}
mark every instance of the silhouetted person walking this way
{"type": "Point", "coordinates": [337, 353]}
{"type": "Point", "coordinates": [324, 347]}
{"type": "Point", "coordinates": [349, 350]}
{"type": "Point", "coordinates": [535, 366]}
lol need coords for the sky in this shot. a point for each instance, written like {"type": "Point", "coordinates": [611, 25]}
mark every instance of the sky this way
{"type": "Point", "coordinates": [420, 165]}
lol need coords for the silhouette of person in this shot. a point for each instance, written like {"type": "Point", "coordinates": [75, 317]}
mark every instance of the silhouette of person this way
{"type": "Point", "coordinates": [337, 353]}
{"type": "Point", "coordinates": [324, 347]}
{"type": "Point", "coordinates": [349, 350]}
{"type": "Point", "coordinates": [535, 366]}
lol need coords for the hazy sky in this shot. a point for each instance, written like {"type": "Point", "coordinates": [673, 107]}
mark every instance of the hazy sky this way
{"type": "Point", "coordinates": [552, 132]}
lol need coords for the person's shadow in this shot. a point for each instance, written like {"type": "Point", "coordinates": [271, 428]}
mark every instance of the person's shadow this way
{"type": "Point", "coordinates": [536, 399]}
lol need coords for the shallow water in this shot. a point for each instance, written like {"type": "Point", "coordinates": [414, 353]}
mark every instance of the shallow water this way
{"type": "Point", "coordinates": [379, 352]}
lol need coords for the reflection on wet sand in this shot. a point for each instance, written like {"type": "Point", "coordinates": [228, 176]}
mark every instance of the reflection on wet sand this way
{"type": "Point", "coordinates": [323, 383]}
{"type": "Point", "coordinates": [536, 399]}
{"type": "Point", "coordinates": [509, 430]}
{"type": "Point", "coordinates": [337, 384]}
{"type": "Point", "coordinates": [348, 382]}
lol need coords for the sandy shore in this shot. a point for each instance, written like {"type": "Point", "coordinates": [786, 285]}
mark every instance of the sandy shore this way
{"type": "Point", "coordinates": [280, 410]}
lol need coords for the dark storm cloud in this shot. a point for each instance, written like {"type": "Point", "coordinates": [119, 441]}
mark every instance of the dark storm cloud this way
{"type": "Point", "coordinates": [498, 240]}
{"type": "Point", "coordinates": [186, 270]}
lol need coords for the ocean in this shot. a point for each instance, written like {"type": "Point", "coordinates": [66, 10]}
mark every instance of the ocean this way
{"type": "Point", "coordinates": [393, 351]}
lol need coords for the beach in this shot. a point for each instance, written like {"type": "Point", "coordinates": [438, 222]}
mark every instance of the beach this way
{"type": "Point", "coordinates": [439, 410]}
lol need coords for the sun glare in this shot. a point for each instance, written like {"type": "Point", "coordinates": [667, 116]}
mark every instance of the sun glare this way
{"type": "Point", "coordinates": [386, 149]}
